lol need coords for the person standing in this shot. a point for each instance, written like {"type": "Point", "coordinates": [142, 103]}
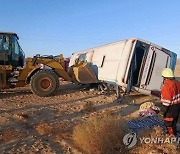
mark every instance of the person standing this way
{"type": "Point", "coordinates": [170, 98]}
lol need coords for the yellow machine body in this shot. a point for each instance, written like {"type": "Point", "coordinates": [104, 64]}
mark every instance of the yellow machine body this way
{"type": "Point", "coordinates": [42, 72]}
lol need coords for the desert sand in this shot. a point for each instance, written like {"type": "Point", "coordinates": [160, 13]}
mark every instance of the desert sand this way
{"type": "Point", "coordinates": [32, 124]}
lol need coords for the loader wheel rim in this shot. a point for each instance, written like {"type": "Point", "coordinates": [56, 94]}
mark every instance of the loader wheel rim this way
{"type": "Point", "coordinates": [45, 84]}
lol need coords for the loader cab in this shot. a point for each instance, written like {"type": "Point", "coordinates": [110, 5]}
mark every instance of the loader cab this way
{"type": "Point", "coordinates": [10, 50]}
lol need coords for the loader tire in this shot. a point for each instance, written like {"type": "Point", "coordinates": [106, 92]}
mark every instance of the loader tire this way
{"type": "Point", "coordinates": [44, 83]}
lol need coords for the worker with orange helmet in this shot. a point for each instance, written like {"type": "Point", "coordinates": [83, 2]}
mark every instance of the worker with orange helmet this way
{"type": "Point", "coordinates": [170, 98]}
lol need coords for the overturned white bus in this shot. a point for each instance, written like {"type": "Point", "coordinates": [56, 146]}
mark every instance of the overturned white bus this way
{"type": "Point", "coordinates": [132, 63]}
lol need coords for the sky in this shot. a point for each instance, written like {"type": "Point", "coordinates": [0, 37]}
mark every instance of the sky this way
{"type": "Point", "coordinates": [51, 27]}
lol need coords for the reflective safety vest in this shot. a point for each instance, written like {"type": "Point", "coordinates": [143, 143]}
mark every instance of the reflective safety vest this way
{"type": "Point", "coordinates": [170, 92]}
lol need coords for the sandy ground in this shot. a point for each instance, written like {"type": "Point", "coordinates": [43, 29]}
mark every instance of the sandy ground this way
{"type": "Point", "coordinates": [32, 124]}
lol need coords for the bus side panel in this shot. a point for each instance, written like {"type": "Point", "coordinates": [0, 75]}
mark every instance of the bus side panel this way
{"type": "Point", "coordinates": [106, 61]}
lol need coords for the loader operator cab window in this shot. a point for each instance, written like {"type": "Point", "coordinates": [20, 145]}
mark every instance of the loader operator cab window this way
{"type": "Point", "coordinates": [1, 42]}
{"type": "Point", "coordinates": [17, 54]}
{"type": "Point", "coordinates": [4, 43]}
{"type": "Point", "coordinates": [15, 47]}
{"type": "Point", "coordinates": [4, 49]}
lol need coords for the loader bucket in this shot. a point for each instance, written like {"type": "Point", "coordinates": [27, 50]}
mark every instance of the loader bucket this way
{"type": "Point", "coordinates": [84, 74]}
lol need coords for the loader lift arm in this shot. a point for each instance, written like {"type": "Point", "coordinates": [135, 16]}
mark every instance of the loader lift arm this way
{"type": "Point", "coordinates": [43, 81]}
{"type": "Point", "coordinates": [54, 64]}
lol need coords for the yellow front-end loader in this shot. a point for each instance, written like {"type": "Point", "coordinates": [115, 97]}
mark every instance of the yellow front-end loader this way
{"type": "Point", "coordinates": [41, 72]}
